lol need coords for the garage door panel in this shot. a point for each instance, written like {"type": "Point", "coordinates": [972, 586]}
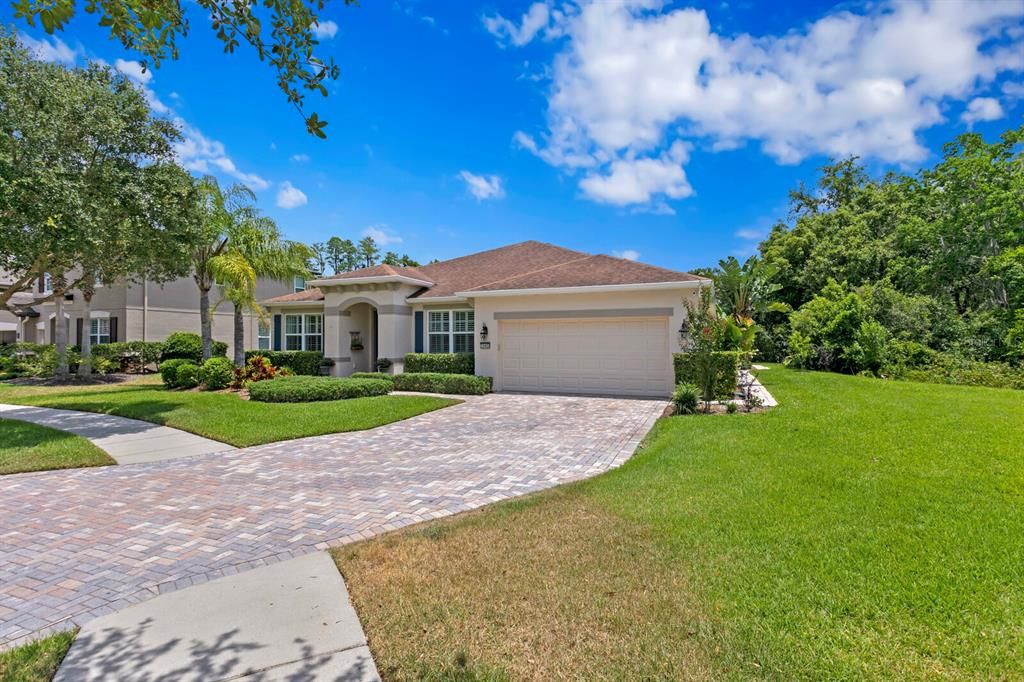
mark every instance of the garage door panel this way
{"type": "Point", "coordinates": [614, 356]}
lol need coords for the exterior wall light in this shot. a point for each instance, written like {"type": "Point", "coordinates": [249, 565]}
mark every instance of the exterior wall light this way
{"type": "Point", "coordinates": [483, 333]}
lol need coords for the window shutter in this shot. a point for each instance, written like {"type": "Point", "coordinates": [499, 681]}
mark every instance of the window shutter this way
{"type": "Point", "coordinates": [78, 331]}
{"type": "Point", "coordinates": [40, 284]}
{"type": "Point", "coordinates": [113, 330]}
{"type": "Point", "coordinates": [277, 332]}
{"type": "Point", "coordinates": [418, 343]}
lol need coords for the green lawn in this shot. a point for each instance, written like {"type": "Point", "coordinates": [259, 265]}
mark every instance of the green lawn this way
{"type": "Point", "coordinates": [863, 529]}
{"type": "Point", "coordinates": [224, 416]}
{"type": "Point", "coordinates": [28, 447]}
{"type": "Point", "coordinates": [36, 661]}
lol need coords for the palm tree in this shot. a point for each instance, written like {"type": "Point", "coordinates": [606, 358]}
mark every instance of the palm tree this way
{"type": "Point", "coordinates": [257, 242]}
{"type": "Point", "coordinates": [222, 215]}
{"type": "Point", "coordinates": [239, 247]}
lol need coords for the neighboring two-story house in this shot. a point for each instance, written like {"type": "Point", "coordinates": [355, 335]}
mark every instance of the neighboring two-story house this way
{"type": "Point", "coordinates": [137, 311]}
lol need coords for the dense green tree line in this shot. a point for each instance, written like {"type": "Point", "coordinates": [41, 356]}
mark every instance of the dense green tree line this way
{"type": "Point", "coordinates": [882, 273]}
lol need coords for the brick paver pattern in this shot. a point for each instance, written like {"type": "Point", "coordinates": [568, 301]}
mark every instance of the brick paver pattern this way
{"type": "Point", "coordinates": [75, 545]}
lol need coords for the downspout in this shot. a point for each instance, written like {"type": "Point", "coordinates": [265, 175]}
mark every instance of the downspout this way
{"type": "Point", "coordinates": [145, 307]}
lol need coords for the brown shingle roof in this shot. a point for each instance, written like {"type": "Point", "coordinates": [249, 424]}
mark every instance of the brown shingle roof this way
{"type": "Point", "coordinates": [590, 271]}
{"type": "Point", "coordinates": [527, 265]}
{"type": "Point", "coordinates": [312, 294]}
{"type": "Point", "coordinates": [381, 270]}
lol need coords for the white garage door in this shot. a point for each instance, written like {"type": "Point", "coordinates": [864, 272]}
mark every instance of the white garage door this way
{"type": "Point", "coordinates": [609, 356]}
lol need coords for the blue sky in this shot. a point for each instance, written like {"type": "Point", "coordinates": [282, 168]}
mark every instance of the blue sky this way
{"type": "Point", "coordinates": [671, 132]}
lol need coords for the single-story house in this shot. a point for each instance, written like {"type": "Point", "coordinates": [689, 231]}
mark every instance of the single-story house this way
{"type": "Point", "coordinates": [537, 317]}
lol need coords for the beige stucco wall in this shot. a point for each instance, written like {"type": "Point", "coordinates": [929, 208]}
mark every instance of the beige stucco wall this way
{"type": "Point", "coordinates": [487, 307]}
{"type": "Point", "coordinates": [350, 308]}
{"type": "Point", "coordinates": [147, 311]}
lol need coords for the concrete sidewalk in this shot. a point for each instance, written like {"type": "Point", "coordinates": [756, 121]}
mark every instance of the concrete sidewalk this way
{"type": "Point", "coordinates": [128, 441]}
{"type": "Point", "coordinates": [288, 621]}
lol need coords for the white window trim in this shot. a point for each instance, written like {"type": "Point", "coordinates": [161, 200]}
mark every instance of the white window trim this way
{"type": "Point", "coordinates": [97, 338]}
{"type": "Point", "coordinates": [451, 333]}
{"type": "Point", "coordinates": [260, 336]}
{"type": "Point", "coordinates": [304, 333]}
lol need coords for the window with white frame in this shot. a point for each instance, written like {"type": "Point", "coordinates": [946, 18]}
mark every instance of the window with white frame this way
{"type": "Point", "coordinates": [298, 283]}
{"type": "Point", "coordinates": [263, 335]}
{"type": "Point", "coordinates": [303, 332]}
{"type": "Point", "coordinates": [99, 330]}
{"type": "Point", "coordinates": [47, 283]}
{"type": "Point", "coordinates": [450, 331]}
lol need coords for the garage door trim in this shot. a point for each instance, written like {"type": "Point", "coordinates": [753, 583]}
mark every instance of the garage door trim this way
{"type": "Point", "coordinates": [576, 314]}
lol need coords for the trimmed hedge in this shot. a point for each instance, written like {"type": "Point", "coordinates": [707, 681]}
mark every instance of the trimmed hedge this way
{"type": "Point", "coordinates": [373, 375]}
{"type": "Point", "coordinates": [189, 346]}
{"type": "Point", "coordinates": [216, 373]}
{"type": "Point", "coordinates": [724, 364]}
{"type": "Point", "coordinates": [433, 382]}
{"type": "Point", "coordinates": [303, 389]}
{"type": "Point", "coordinates": [440, 363]}
{"type": "Point", "coordinates": [304, 362]}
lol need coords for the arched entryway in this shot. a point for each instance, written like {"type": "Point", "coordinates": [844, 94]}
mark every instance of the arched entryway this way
{"type": "Point", "coordinates": [363, 336]}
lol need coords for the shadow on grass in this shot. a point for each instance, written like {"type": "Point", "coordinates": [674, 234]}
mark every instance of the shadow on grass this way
{"type": "Point", "coordinates": [116, 653]}
{"type": "Point", "coordinates": [90, 418]}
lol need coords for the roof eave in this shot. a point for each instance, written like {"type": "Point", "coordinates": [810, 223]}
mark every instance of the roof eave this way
{"type": "Point", "coordinates": [590, 289]}
{"type": "Point", "coordinates": [292, 304]}
{"type": "Point", "coordinates": [377, 279]}
{"type": "Point", "coordinates": [436, 299]}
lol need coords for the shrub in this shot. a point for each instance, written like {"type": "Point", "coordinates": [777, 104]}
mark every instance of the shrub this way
{"type": "Point", "coordinates": [434, 382]}
{"type": "Point", "coordinates": [950, 369]}
{"type": "Point", "coordinates": [383, 365]}
{"type": "Point", "coordinates": [9, 350]}
{"type": "Point", "coordinates": [305, 362]}
{"type": "Point", "coordinates": [169, 371]}
{"type": "Point", "coordinates": [44, 362]}
{"type": "Point", "coordinates": [257, 368]}
{"type": "Point", "coordinates": [189, 346]}
{"type": "Point", "coordinates": [440, 363]}
{"type": "Point", "coordinates": [187, 375]}
{"type": "Point", "coordinates": [10, 368]}
{"type": "Point", "coordinates": [374, 375]}
{"type": "Point", "coordinates": [301, 389]}
{"type": "Point", "coordinates": [216, 373]}
{"type": "Point", "coordinates": [686, 398]}
{"type": "Point", "coordinates": [714, 373]}
{"type": "Point", "coordinates": [731, 407]}
{"type": "Point", "coordinates": [128, 355]}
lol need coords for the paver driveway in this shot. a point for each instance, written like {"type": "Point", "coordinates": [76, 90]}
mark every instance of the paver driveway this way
{"type": "Point", "coordinates": [78, 544]}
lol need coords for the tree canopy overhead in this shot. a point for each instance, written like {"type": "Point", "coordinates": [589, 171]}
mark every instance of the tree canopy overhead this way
{"type": "Point", "coordinates": [282, 32]}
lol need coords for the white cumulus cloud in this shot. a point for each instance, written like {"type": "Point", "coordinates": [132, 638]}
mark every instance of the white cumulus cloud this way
{"type": "Point", "coordinates": [382, 235]}
{"type": "Point", "coordinates": [632, 77]}
{"type": "Point", "coordinates": [133, 70]}
{"type": "Point", "coordinates": [627, 254]}
{"type": "Point", "coordinates": [290, 196]}
{"type": "Point", "coordinates": [483, 186]}
{"type": "Point", "coordinates": [982, 109]}
{"type": "Point", "coordinates": [300, 158]}
{"type": "Point", "coordinates": [539, 18]}
{"type": "Point", "coordinates": [324, 30]}
{"type": "Point", "coordinates": [50, 49]}
{"type": "Point", "coordinates": [200, 154]}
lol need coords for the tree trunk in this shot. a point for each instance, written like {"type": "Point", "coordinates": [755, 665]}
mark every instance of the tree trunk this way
{"type": "Point", "coordinates": [239, 336]}
{"type": "Point", "coordinates": [205, 322]}
{"type": "Point", "coordinates": [60, 329]}
{"type": "Point", "coordinates": [85, 343]}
